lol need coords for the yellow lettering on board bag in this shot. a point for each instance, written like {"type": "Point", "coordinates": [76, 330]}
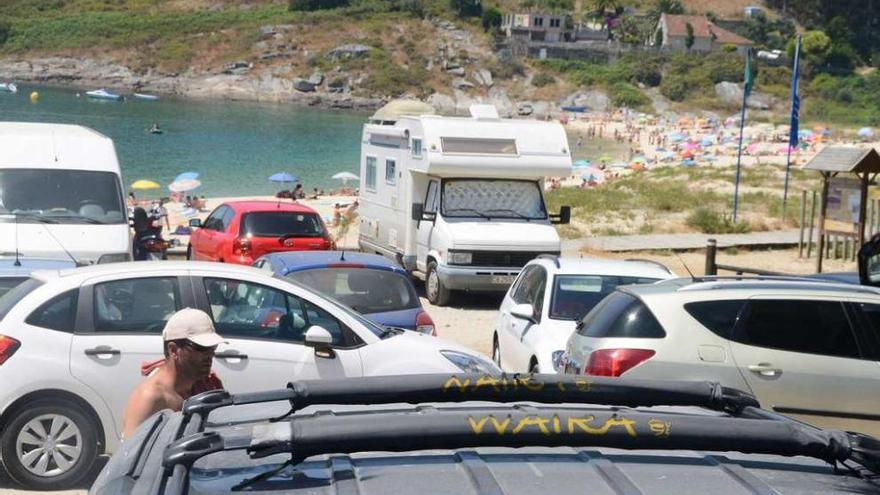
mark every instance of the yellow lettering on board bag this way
{"type": "Point", "coordinates": [486, 381]}
{"type": "Point", "coordinates": [478, 425]}
{"type": "Point", "coordinates": [660, 428]}
{"type": "Point", "coordinates": [528, 384]}
{"type": "Point", "coordinates": [454, 382]}
{"type": "Point", "coordinates": [584, 425]}
{"type": "Point", "coordinates": [538, 421]}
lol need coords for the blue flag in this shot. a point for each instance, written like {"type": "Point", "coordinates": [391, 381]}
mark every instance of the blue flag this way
{"type": "Point", "coordinates": [795, 99]}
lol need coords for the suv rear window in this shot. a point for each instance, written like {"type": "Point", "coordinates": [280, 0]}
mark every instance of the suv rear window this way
{"type": "Point", "coordinates": [575, 295]}
{"type": "Point", "coordinates": [717, 316]}
{"type": "Point", "coordinates": [279, 223]}
{"type": "Point", "coordinates": [621, 315]}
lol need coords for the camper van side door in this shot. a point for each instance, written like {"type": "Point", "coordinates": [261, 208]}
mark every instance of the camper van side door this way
{"type": "Point", "coordinates": [426, 228]}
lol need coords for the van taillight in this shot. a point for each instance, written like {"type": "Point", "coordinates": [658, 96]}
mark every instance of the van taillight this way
{"type": "Point", "coordinates": [425, 325]}
{"type": "Point", "coordinates": [241, 245]}
{"type": "Point", "coordinates": [8, 346]}
{"type": "Point", "coordinates": [615, 362]}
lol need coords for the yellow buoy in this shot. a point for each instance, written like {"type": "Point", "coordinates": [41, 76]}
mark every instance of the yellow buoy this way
{"type": "Point", "coordinates": [35, 96]}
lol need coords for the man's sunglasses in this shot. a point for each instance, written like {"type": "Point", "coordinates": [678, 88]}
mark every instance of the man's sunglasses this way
{"type": "Point", "coordinates": [198, 348]}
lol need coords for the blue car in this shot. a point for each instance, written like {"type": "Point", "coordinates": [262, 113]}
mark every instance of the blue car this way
{"type": "Point", "coordinates": [12, 275]}
{"type": "Point", "coordinates": [372, 285]}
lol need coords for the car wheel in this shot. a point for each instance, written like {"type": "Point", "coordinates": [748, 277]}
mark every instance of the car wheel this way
{"type": "Point", "coordinates": [189, 252]}
{"type": "Point", "coordinates": [49, 445]}
{"type": "Point", "coordinates": [434, 290]}
{"type": "Point", "coordinates": [496, 352]}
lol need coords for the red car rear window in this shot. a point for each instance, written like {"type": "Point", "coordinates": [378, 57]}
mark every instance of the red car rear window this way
{"type": "Point", "coordinates": [279, 223]}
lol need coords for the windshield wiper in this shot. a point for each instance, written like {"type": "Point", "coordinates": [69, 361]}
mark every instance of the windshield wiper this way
{"type": "Point", "coordinates": [85, 219]}
{"type": "Point", "coordinates": [475, 212]}
{"type": "Point", "coordinates": [31, 216]}
{"type": "Point", "coordinates": [516, 213]}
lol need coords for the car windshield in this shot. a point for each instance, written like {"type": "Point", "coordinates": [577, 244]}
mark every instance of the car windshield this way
{"type": "Point", "coordinates": [575, 295]}
{"type": "Point", "coordinates": [61, 196]}
{"type": "Point", "coordinates": [279, 223]}
{"type": "Point", "coordinates": [10, 298]}
{"type": "Point", "coordinates": [492, 199]}
{"type": "Point", "coordinates": [365, 290]}
{"type": "Point", "coordinates": [9, 283]}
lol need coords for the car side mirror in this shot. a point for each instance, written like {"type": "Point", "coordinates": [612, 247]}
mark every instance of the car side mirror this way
{"type": "Point", "coordinates": [321, 340]}
{"type": "Point", "coordinates": [869, 262]}
{"type": "Point", "coordinates": [195, 223]}
{"type": "Point", "coordinates": [418, 209]}
{"type": "Point", "coordinates": [523, 312]}
{"type": "Point", "coordinates": [564, 216]}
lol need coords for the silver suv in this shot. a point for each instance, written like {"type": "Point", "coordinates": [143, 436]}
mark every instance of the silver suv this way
{"type": "Point", "coordinates": [802, 347]}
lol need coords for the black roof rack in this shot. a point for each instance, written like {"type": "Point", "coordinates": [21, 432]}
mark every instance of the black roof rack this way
{"type": "Point", "coordinates": [745, 428]}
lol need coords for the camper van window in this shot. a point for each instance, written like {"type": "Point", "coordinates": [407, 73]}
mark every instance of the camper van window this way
{"type": "Point", "coordinates": [431, 198]}
{"type": "Point", "coordinates": [417, 148]}
{"type": "Point", "coordinates": [61, 196]}
{"type": "Point", "coordinates": [390, 171]}
{"type": "Point", "coordinates": [478, 146]}
{"type": "Point", "coordinates": [492, 198]}
{"type": "Point", "coordinates": [371, 173]}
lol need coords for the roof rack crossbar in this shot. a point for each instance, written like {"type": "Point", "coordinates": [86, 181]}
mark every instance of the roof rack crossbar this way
{"type": "Point", "coordinates": [512, 426]}
{"type": "Point", "coordinates": [544, 388]}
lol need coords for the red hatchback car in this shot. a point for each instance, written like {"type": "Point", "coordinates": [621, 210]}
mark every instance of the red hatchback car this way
{"type": "Point", "coordinates": [242, 231]}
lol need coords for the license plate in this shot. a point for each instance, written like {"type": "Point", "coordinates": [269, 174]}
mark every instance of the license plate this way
{"type": "Point", "coordinates": [503, 279]}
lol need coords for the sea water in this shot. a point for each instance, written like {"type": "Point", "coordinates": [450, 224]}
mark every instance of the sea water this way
{"type": "Point", "coordinates": [234, 146]}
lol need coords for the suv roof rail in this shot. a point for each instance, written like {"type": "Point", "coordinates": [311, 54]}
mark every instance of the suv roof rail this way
{"type": "Point", "coordinates": [699, 283]}
{"type": "Point", "coordinates": [745, 427]}
{"type": "Point", "coordinates": [552, 257]}
{"type": "Point", "coordinates": [643, 260]}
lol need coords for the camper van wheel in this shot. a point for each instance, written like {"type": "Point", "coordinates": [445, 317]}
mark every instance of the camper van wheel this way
{"type": "Point", "coordinates": [437, 294]}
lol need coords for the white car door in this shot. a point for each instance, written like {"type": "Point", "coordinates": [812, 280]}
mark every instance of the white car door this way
{"type": "Point", "coordinates": [802, 357]}
{"type": "Point", "coordinates": [426, 227]}
{"type": "Point", "coordinates": [119, 329]}
{"type": "Point", "coordinates": [265, 327]}
{"type": "Point", "coordinates": [514, 353]}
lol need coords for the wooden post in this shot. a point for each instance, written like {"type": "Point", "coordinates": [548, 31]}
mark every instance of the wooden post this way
{"type": "Point", "coordinates": [835, 244]}
{"type": "Point", "coordinates": [871, 219]}
{"type": "Point", "coordinates": [822, 211]}
{"type": "Point", "coordinates": [711, 249]}
{"type": "Point", "coordinates": [863, 205]}
{"type": "Point", "coordinates": [803, 222]}
{"type": "Point", "coordinates": [812, 220]}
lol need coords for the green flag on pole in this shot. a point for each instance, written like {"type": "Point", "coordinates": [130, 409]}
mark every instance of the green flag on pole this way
{"type": "Point", "coordinates": [749, 77]}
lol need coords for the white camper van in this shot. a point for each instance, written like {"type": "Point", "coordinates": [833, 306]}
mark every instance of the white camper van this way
{"type": "Point", "coordinates": [459, 200]}
{"type": "Point", "coordinates": [61, 194]}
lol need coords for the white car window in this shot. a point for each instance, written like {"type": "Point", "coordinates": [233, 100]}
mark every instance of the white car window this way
{"type": "Point", "coordinates": [249, 310]}
{"type": "Point", "coordinates": [140, 305]}
{"type": "Point", "coordinates": [59, 313]}
{"type": "Point", "coordinates": [575, 295]}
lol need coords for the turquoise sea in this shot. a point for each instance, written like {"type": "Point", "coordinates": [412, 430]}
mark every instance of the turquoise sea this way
{"type": "Point", "coordinates": [235, 146]}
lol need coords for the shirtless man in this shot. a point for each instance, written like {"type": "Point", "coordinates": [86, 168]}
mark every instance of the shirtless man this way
{"type": "Point", "coordinates": [189, 339]}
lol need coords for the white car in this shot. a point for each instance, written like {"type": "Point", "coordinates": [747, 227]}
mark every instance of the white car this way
{"type": "Point", "coordinates": [549, 296]}
{"type": "Point", "coordinates": [72, 344]}
{"type": "Point", "coordinates": [802, 347]}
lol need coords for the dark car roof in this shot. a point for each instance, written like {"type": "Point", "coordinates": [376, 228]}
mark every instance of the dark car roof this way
{"type": "Point", "coordinates": [268, 206]}
{"type": "Point", "coordinates": [294, 261]}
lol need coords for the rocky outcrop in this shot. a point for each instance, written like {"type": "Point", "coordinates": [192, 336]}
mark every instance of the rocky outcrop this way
{"type": "Point", "coordinates": [731, 94]}
{"type": "Point", "coordinates": [344, 52]}
{"type": "Point", "coordinates": [594, 100]}
{"type": "Point", "coordinates": [303, 85]}
{"type": "Point", "coordinates": [460, 83]}
{"type": "Point", "coordinates": [483, 77]}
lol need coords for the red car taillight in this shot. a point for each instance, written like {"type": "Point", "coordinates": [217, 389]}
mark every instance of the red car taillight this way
{"type": "Point", "coordinates": [425, 325]}
{"type": "Point", "coordinates": [8, 346]}
{"type": "Point", "coordinates": [155, 246]}
{"type": "Point", "coordinates": [241, 246]}
{"type": "Point", "coordinates": [615, 362]}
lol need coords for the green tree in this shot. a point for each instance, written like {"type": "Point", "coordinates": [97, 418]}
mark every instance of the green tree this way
{"type": "Point", "coordinates": [689, 39]}
{"type": "Point", "coordinates": [466, 8]}
{"type": "Point", "coordinates": [674, 7]}
{"type": "Point", "coordinates": [491, 19]}
{"type": "Point", "coordinates": [309, 5]}
{"type": "Point", "coordinates": [601, 6]}
{"type": "Point", "coordinates": [5, 28]}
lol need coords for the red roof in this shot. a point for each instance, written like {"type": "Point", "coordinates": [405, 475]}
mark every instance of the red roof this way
{"type": "Point", "coordinates": [281, 205]}
{"type": "Point", "coordinates": [676, 25]}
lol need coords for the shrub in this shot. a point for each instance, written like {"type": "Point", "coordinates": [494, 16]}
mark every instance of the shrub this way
{"type": "Point", "coordinates": [648, 72]}
{"type": "Point", "coordinates": [542, 79]}
{"type": "Point", "coordinates": [728, 48]}
{"type": "Point", "coordinates": [675, 87]}
{"type": "Point", "coordinates": [627, 95]}
{"type": "Point", "coordinates": [466, 8]}
{"type": "Point", "coordinates": [491, 19]}
{"type": "Point", "coordinates": [709, 221]}
{"type": "Point", "coordinates": [506, 70]}
{"type": "Point", "coordinates": [309, 5]}
{"type": "Point", "coordinates": [5, 28]}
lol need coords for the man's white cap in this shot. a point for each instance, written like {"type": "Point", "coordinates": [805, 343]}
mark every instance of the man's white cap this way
{"type": "Point", "coordinates": [194, 325]}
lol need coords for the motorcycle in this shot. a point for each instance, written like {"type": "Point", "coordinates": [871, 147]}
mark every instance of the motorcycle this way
{"type": "Point", "coordinates": [147, 244]}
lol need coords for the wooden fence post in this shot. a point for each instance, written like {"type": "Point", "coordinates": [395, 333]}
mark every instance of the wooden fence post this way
{"type": "Point", "coordinates": [711, 249]}
{"type": "Point", "coordinates": [812, 221]}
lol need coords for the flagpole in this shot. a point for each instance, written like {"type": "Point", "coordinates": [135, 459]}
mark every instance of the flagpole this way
{"type": "Point", "coordinates": [793, 127]}
{"type": "Point", "coordinates": [742, 123]}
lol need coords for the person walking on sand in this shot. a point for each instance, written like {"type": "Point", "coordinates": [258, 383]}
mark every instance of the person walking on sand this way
{"type": "Point", "coordinates": [189, 341]}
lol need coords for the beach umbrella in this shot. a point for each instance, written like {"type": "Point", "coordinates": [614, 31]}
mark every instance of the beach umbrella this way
{"type": "Point", "coordinates": [786, 149]}
{"type": "Point", "coordinates": [668, 156]}
{"type": "Point", "coordinates": [865, 132]}
{"type": "Point", "coordinates": [186, 175]}
{"type": "Point", "coordinates": [691, 146]}
{"type": "Point", "coordinates": [805, 134]}
{"type": "Point", "coordinates": [581, 164]}
{"type": "Point", "coordinates": [675, 137]}
{"type": "Point", "coordinates": [639, 159]}
{"type": "Point", "coordinates": [184, 185]}
{"type": "Point", "coordinates": [688, 163]}
{"type": "Point", "coordinates": [145, 184]}
{"type": "Point", "coordinates": [345, 177]}
{"type": "Point", "coordinates": [283, 177]}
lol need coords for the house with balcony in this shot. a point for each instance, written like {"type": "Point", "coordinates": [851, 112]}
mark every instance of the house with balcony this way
{"type": "Point", "coordinates": [536, 26]}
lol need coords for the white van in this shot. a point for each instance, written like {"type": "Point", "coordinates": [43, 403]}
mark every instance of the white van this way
{"type": "Point", "coordinates": [459, 200]}
{"type": "Point", "coordinates": [61, 194]}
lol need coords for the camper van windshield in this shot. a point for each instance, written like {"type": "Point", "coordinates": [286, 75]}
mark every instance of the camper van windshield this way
{"type": "Point", "coordinates": [61, 196]}
{"type": "Point", "coordinates": [492, 198]}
